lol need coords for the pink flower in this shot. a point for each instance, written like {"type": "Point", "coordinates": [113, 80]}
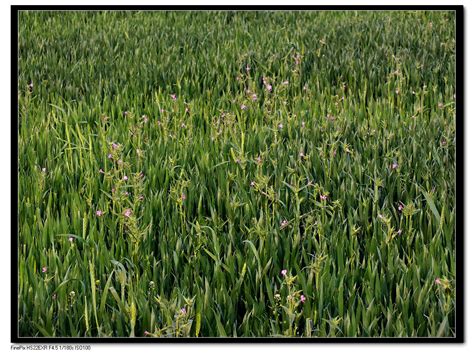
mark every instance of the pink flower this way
{"type": "Point", "coordinates": [269, 88]}
{"type": "Point", "coordinates": [280, 126]}
{"type": "Point", "coordinates": [243, 107]}
{"type": "Point", "coordinates": [323, 197]}
{"type": "Point", "coordinates": [302, 298]}
{"type": "Point", "coordinates": [283, 223]}
{"type": "Point", "coordinates": [145, 118]}
{"type": "Point", "coordinates": [113, 190]}
{"type": "Point", "coordinates": [259, 160]}
{"type": "Point", "coordinates": [146, 333]}
{"type": "Point", "coordinates": [125, 177]}
{"type": "Point", "coordinates": [127, 213]}
{"type": "Point", "coordinates": [109, 156]}
{"type": "Point", "coordinates": [99, 213]}
{"type": "Point", "coordinates": [173, 97]}
{"type": "Point", "coordinates": [284, 272]}
{"type": "Point", "coordinates": [114, 145]}
{"type": "Point", "coordinates": [101, 171]}
{"type": "Point", "coordinates": [400, 206]}
{"type": "Point", "coordinates": [44, 269]}
{"type": "Point", "coordinates": [399, 231]}
{"type": "Point", "coordinates": [183, 197]}
{"type": "Point", "coordinates": [254, 97]}
{"type": "Point", "coordinates": [394, 165]}
{"type": "Point", "coordinates": [183, 311]}
{"type": "Point", "coordinates": [438, 281]}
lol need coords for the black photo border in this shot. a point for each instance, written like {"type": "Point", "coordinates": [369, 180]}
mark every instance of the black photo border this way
{"type": "Point", "coordinates": [459, 233]}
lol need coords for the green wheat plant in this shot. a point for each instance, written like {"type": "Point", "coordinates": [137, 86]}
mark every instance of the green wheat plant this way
{"type": "Point", "coordinates": [236, 174]}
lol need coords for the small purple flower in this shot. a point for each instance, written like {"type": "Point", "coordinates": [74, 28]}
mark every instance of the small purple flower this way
{"type": "Point", "coordinates": [400, 206]}
{"type": "Point", "coordinates": [44, 269]}
{"type": "Point", "coordinates": [254, 97]}
{"type": "Point", "coordinates": [125, 177]}
{"type": "Point", "coordinates": [243, 107]}
{"type": "Point", "coordinates": [269, 88]}
{"type": "Point", "coordinates": [399, 231]}
{"type": "Point", "coordinates": [394, 165]}
{"type": "Point", "coordinates": [99, 213]}
{"type": "Point", "coordinates": [127, 213]}
{"type": "Point", "coordinates": [114, 146]}
{"type": "Point", "coordinates": [145, 118]}
{"type": "Point", "coordinates": [284, 272]}
{"type": "Point", "coordinates": [173, 97]}
{"type": "Point", "coordinates": [183, 310]}
{"type": "Point", "coordinates": [183, 196]}
{"type": "Point", "coordinates": [302, 298]}
{"type": "Point", "coordinates": [323, 197]}
{"type": "Point", "coordinates": [438, 281]}
{"type": "Point", "coordinates": [109, 156]}
{"type": "Point", "coordinates": [283, 223]}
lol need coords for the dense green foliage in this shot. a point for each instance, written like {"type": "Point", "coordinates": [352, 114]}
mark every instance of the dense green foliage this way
{"type": "Point", "coordinates": [320, 143]}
